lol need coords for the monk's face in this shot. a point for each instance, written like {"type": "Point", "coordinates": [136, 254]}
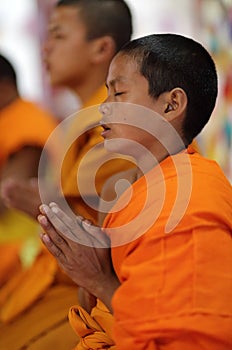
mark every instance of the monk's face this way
{"type": "Point", "coordinates": [126, 84]}
{"type": "Point", "coordinates": [67, 52]}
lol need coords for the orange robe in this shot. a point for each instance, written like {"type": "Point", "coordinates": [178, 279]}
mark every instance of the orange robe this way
{"type": "Point", "coordinates": [95, 330]}
{"type": "Point", "coordinates": [22, 123]}
{"type": "Point", "coordinates": [172, 252]}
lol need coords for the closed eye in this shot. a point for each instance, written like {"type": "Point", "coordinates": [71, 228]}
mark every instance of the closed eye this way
{"type": "Point", "coordinates": [118, 93]}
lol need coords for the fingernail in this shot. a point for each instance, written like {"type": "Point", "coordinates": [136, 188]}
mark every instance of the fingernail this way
{"type": "Point", "coordinates": [43, 220]}
{"type": "Point", "coordinates": [86, 222]}
{"type": "Point", "coordinates": [54, 209]}
{"type": "Point", "coordinates": [52, 204]}
{"type": "Point", "coordinates": [43, 208]}
{"type": "Point", "coordinates": [79, 219]}
{"type": "Point", "coordinates": [46, 238]}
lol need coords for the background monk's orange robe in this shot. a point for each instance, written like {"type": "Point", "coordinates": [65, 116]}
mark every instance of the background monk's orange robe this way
{"type": "Point", "coordinates": [22, 123]}
{"type": "Point", "coordinates": [172, 251]}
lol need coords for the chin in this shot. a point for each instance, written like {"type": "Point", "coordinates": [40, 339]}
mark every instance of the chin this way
{"type": "Point", "coordinates": [120, 146]}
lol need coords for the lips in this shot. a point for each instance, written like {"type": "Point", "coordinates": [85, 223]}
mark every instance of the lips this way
{"type": "Point", "coordinates": [46, 65]}
{"type": "Point", "coordinates": [106, 129]}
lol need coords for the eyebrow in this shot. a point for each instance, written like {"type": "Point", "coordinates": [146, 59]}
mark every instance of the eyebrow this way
{"type": "Point", "coordinates": [113, 82]}
{"type": "Point", "coordinates": [53, 28]}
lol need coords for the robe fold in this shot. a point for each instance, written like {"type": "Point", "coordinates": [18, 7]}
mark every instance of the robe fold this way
{"type": "Point", "coordinates": [94, 330]}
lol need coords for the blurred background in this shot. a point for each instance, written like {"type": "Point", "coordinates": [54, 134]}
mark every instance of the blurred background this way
{"type": "Point", "coordinates": [23, 29]}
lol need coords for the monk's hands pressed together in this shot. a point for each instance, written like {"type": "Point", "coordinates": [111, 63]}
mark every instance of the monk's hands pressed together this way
{"type": "Point", "coordinates": [81, 249]}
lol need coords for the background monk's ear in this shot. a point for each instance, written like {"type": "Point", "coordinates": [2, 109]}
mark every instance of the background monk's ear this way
{"type": "Point", "coordinates": [104, 49]}
{"type": "Point", "coordinates": [176, 103]}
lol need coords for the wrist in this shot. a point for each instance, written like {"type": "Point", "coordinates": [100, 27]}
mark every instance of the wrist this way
{"type": "Point", "coordinates": [106, 289]}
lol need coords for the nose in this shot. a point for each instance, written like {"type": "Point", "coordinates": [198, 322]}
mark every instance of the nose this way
{"type": "Point", "coordinates": [47, 45]}
{"type": "Point", "coordinates": [105, 109]}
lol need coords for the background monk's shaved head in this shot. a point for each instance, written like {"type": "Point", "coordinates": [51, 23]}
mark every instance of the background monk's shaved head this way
{"type": "Point", "coordinates": [104, 17]}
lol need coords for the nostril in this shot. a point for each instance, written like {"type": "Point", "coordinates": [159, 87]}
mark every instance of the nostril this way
{"type": "Point", "coordinates": [105, 109]}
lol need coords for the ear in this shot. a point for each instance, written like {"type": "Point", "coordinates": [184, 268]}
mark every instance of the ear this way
{"type": "Point", "coordinates": [176, 102]}
{"type": "Point", "coordinates": [103, 49]}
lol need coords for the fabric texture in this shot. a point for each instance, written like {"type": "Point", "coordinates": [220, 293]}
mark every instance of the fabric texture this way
{"type": "Point", "coordinates": [95, 329]}
{"type": "Point", "coordinates": [172, 251]}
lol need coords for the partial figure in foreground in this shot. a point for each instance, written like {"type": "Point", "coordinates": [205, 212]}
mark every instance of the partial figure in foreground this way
{"type": "Point", "coordinates": [168, 277]}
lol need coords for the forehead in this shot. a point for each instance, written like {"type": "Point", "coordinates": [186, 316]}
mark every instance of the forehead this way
{"type": "Point", "coordinates": [66, 16]}
{"type": "Point", "coordinates": [122, 68]}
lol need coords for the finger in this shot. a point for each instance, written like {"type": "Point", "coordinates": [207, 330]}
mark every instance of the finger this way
{"type": "Point", "coordinates": [52, 248]}
{"type": "Point", "coordinates": [55, 220]}
{"type": "Point", "coordinates": [80, 219]}
{"type": "Point", "coordinates": [61, 227]}
{"type": "Point", "coordinates": [54, 236]}
{"type": "Point", "coordinates": [69, 221]}
{"type": "Point", "coordinates": [75, 224]}
{"type": "Point", "coordinates": [98, 238]}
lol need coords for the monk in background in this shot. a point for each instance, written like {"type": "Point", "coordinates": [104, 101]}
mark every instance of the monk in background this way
{"type": "Point", "coordinates": [24, 130]}
{"type": "Point", "coordinates": [83, 37]}
{"type": "Point", "coordinates": [162, 261]}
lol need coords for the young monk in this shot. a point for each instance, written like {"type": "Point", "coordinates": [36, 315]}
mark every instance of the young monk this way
{"type": "Point", "coordinates": [168, 277]}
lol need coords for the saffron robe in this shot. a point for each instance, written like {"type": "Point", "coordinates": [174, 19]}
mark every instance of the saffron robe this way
{"type": "Point", "coordinates": [172, 252]}
{"type": "Point", "coordinates": [22, 123]}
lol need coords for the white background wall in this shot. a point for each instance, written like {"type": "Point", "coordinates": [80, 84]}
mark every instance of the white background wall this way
{"type": "Point", "coordinates": [19, 42]}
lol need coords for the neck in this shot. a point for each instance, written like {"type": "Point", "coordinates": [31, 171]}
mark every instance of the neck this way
{"type": "Point", "coordinates": [148, 161]}
{"type": "Point", "coordinates": [4, 102]}
{"type": "Point", "coordinates": [153, 157]}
